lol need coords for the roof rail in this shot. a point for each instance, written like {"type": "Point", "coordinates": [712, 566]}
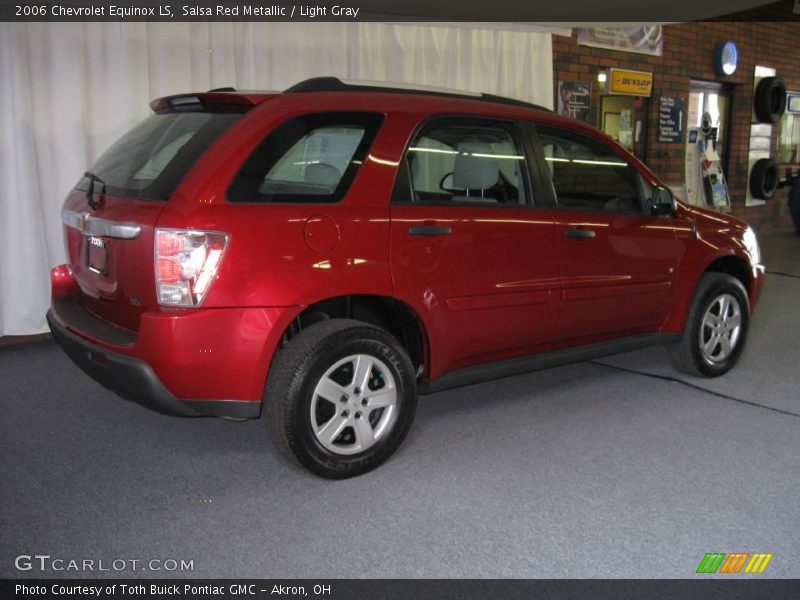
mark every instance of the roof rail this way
{"type": "Point", "coordinates": [334, 84]}
{"type": "Point", "coordinates": [222, 89]}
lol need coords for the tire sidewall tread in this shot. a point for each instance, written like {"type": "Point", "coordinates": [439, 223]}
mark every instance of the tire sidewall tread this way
{"type": "Point", "coordinates": [296, 370]}
{"type": "Point", "coordinates": [762, 100]}
{"type": "Point", "coordinates": [686, 354]}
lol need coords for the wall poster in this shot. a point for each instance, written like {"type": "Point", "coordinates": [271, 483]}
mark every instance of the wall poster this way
{"type": "Point", "coordinates": [645, 39]}
{"type": "Point", "coordinates": [575, 100]}
{"type": "Point", "coordinates": [670, 119]}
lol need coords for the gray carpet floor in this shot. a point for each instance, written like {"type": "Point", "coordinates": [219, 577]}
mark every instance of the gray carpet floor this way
{"type": "Point", "coordinates": [579, 471]}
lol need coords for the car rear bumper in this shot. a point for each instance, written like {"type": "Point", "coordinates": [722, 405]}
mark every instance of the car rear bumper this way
{"type": "Point", "coordinates": [209, 362]}
{"type": "Point", "coordinates": [135, 380]}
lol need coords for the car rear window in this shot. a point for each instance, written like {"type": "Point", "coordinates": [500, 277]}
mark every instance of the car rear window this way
{"type": "Point", "coordinates": [312, 158]}
{"type": "Point", "coordinates": [149, 162]}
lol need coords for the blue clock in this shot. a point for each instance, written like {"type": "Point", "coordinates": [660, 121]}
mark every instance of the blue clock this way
{"type": "Point", "coordinates": [726, 58]}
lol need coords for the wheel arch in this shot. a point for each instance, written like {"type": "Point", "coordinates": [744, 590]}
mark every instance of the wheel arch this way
{"type": "Point", "coordinates": [385, 312]}
{"type": "Point", "coordinates": [728, 262]}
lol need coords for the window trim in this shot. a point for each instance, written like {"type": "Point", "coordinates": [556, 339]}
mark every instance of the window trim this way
{"type": "Point", "coordinates": [346, 182]}
{"type": "Point", "coordinates": [547, 177]}
{"type": "Point", "coordinates": [545, 190]}
{"type": "Point", "coordinates": [403, 191]}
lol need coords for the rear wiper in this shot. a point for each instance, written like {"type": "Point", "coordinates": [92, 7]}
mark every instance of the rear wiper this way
{"type": "Point", "coordinates": [90, 192]}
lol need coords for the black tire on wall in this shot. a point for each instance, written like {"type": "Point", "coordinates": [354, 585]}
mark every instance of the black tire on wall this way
{"type": "Point", "coordinates": [763, 179]}
{"type": "Point", "coordinates": [769, 101]}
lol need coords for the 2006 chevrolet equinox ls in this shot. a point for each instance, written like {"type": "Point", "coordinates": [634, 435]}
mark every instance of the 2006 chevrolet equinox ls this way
{"type": "Point", "coordinates": [324, 254]}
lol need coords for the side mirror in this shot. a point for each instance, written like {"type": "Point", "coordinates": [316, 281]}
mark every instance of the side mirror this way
{"type": "Point", "coordinates": [662, 202]}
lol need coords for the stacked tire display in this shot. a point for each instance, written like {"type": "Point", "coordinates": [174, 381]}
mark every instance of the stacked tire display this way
{"type": "Point", "coordinates": [769, 104]}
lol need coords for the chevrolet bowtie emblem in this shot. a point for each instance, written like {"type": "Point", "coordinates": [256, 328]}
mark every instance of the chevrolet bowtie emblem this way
{"type": "Point", "coordinates": [83, 222]}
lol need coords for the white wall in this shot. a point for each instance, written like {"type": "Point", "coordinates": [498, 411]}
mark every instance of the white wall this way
{"type": "Point", "coordinates": [68, 90]}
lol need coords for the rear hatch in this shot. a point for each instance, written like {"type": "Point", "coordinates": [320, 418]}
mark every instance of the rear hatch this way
{"type": "Point", "coordinates": [110, 216]}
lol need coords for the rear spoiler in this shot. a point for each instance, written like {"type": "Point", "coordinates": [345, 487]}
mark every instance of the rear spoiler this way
{"type": "Point", "coordinates": [213, 101]}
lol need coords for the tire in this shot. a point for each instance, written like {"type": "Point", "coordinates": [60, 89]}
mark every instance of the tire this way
{"type": "Point", "coordinates": [769, 100]}
{"type": "Point", "coordinates": [763, 179]}
{"type": "Point", "coordinates": [696, 354]}
{"type": "Point", "coordinates": [340, 437]}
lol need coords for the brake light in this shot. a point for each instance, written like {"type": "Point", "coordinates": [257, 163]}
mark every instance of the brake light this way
{"type": "Point", "coordinates": [187, 262]}
{"type": "Point", "coordinates": [169, 270]}
{"type": "Point", "coordinates": [169, 243]}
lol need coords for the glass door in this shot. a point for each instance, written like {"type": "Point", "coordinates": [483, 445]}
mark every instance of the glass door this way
{"type": "Point", "coordinates": [712, 98]}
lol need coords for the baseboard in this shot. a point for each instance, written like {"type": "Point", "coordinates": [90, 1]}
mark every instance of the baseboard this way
{"type": "Point", "coordinates": [13, 340]}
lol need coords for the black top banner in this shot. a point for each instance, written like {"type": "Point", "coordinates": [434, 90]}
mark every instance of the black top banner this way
{"type": "Point", "coordinates": [566, 12]}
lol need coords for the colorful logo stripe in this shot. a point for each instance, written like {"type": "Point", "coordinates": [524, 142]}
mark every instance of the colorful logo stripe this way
{"type": "Point", "coordinates": [733, 562]}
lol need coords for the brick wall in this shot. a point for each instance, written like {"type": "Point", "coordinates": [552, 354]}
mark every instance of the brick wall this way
{"type": "Point", "coordinates": [688, 54]}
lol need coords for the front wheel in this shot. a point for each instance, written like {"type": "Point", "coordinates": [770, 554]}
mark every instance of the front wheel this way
{"type": "Point", "coordinates": [341, 397]}
{"type": "Point", "coordinates": [716, 328]}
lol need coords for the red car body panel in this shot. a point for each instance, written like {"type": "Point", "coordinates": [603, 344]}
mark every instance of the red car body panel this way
{"type": "Point", "coordinates": [507, 282]}
{"type": "Point", "coordinates": [487, 291]}
{"type": "Point", "coordinates": [705, 236]}
{"type": "Point", "coordinates": [128, 276]}
{"type": "Point", "coordinates": [621, 280]}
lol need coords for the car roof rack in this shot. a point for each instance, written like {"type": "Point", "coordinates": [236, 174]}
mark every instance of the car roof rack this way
{"type": "Point", "coordinates": [334, 84]}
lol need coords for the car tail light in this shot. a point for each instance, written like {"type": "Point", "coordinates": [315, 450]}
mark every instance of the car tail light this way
{"type": "Point", "coordinates": [63, 282]}
{"type": "Point", "coordinates": [187, 262]}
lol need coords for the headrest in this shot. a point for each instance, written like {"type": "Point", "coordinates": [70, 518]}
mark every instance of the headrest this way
{"type": "Point", "coordinates": [473, 172]}
{"type": "Point", "coordinates": [323, 174]}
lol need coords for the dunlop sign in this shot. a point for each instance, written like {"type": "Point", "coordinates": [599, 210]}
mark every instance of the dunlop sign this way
{"type": "Point", "coordinates": [632, 83]}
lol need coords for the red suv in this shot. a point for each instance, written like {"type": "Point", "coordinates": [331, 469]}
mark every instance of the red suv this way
{"type": "Point", "coordinates": [329, 252]}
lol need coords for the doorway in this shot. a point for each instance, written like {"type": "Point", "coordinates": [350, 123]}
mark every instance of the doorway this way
{"type": "Point", "coordinates": [623, 118]}
{"type": "Point", "coordinates": [712, 98]}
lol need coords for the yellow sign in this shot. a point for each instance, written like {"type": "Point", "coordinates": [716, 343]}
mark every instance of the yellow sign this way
{"type": "Point", "coordinates": [633, 83]}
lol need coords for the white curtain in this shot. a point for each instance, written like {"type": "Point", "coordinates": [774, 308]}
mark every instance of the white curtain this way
{"type": "Point", "coordinates": [70, 89]}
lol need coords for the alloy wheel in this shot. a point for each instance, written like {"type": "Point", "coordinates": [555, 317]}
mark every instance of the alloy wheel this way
{"type": "Point", "coordinates": [720, 328]}
{"type": "Point", "coordinates": [354, 405]}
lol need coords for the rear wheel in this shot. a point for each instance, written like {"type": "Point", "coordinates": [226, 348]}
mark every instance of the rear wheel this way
{"type": "Point", "coordinates": [341, 397]}
{"type": "Point", "coordinates": [716, 327]}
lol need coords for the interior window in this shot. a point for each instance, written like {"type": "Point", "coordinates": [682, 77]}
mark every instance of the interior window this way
{"type": "Point", "coordinates": [467, 162]}
{"type": "Point", "coordinates": [313, 158]}
{"type": "Point", "coordinates": [158, 162]}
{"type": "Point", "coordinates": [318, 159]}
{"type": "Point", "coordinates": [789, 138]}
{"type": "Point", "coordinates": [588, 175]}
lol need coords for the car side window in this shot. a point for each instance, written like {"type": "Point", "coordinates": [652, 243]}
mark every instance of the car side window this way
{"type": "Point", "coordinates": [467, 161]}
{"type": "Point", "coordinates": [588, 175]}
{"type": "Point", "coordinates": [312, 158]}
